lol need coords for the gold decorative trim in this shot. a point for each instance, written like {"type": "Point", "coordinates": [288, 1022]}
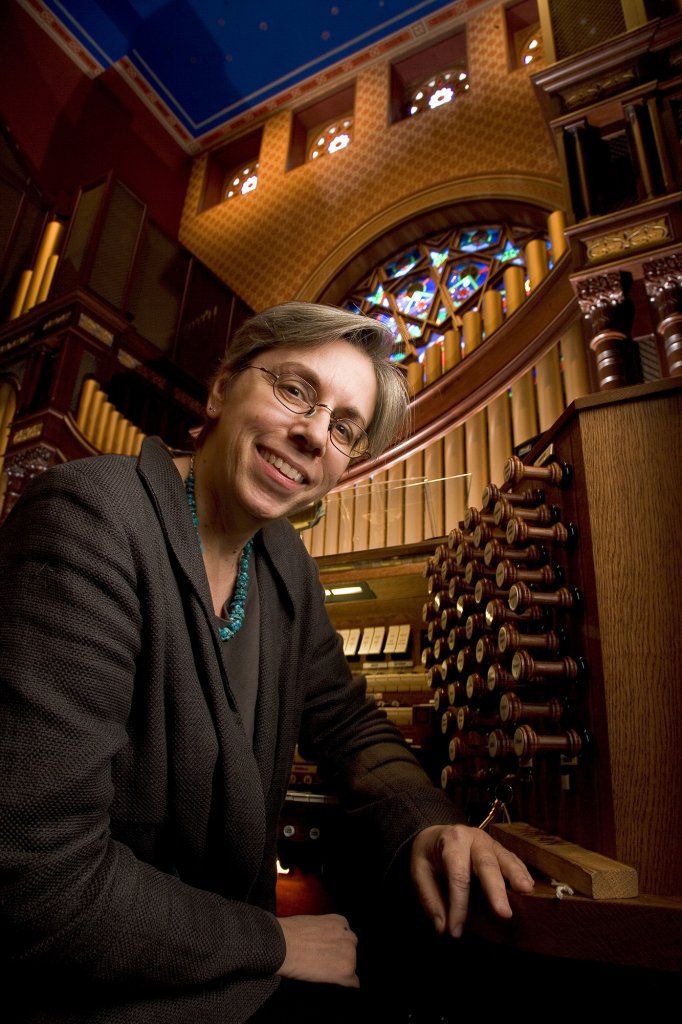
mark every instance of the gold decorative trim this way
{"type": "Point", "coordinates": [598, 89]}
{"type": "Point", "coordinates": [16, 342]}
{"type": "Point", "coordinates": [97, 331]}
{"type": "Point", "coordinates": [641, 236]}
{"type": "Point", "coordinates": [56, 320]}
{"type": "Point", "coordinates": [27, 433]}
{"type": "Point", "coordinates": [127, 360]}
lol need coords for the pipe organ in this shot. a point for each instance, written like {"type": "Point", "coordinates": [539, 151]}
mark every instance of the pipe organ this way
{"type": "Point", "coordinates": [547, 628]}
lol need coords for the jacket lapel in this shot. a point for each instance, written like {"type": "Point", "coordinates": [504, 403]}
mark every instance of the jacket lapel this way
{"type": "Point", "coordinates": [239, 812]}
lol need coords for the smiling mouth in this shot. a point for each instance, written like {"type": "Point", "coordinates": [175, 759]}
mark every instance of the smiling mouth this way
{"type": "Point", "coordinates": [282, 466]}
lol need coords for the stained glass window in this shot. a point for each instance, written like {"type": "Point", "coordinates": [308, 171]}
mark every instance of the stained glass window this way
{"type": "Point", "coordinates": [464, 279]}
{"type": "Point", "coordinates": [424, 289]}
{"type": "Point", "coordinates": [531, 50]}
{"type": "Point", "coordinates": [331, 139]}
{"type": "Point", "coordinates": [474, 239]}
{"type": "Point", "coordinates": [241, 180]}
{"type": "Point", "coordinates": [439, 89]}
{"type": "Point", "coordinates": [416, 296]}
{"type": "Point", "coordinates": [404, 264]}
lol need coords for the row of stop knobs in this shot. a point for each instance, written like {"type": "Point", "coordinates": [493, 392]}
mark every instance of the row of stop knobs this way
{"type": "Point", "coordinates": [488, 597]}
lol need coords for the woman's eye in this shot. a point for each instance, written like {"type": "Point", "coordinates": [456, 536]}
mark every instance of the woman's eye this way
{"type": "Point", "coordinates": [344, 430]}
{"type": "Point", "coordinates": [295, 391]}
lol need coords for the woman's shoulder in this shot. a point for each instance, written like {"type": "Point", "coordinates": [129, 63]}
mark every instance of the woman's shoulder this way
{"type": "Point", "coordinates": [82, 480]}
{"type": "Point", "coordinates": [107, 472]}
{"type": "Point", "coordinates": [93, 489]}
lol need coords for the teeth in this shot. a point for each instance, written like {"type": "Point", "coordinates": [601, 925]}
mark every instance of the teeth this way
{"type": "Point", "coordinates": [283, 467]}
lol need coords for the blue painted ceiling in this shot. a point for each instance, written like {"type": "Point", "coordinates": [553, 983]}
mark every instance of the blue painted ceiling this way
{"type": "Point", "coordinates": [210, 62]}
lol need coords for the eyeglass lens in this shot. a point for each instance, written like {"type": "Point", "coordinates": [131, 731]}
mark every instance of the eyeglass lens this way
{"type": "Point", "coordinates": [299, 396]}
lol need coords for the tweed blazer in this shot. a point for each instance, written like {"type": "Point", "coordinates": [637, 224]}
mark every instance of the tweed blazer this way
{"type": "Point", "coordinates": [138, 822]}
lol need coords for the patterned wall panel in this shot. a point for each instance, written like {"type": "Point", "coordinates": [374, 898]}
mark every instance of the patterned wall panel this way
{"type": "Point", "coordinates": [269, 245]}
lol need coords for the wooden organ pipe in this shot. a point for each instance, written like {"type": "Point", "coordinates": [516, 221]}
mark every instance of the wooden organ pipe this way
{"type": "Point", "coordinates": [20, 296]}
{"type": "Point", "coordinates": [378, 510]}
{"type": "Point", "coordinates": [414, 472]}
{"type": "Point", "coordinates": [315, 537]}
{"type": "Point", "coordinates": [471, 331]}
{"type": "Point", "coordinates": [556, 228]}
{"type": "Point", "coordinates": [499, 414]}
{"type": "Point", "coordinates": [452, 352]}
{"type": "Point", "coordinates": [415, 377]}
{"type": "Point", "coordinates": [133, 439]}
{"type": "Point", "coordinates": [574, 362]}
{"type": "Point", "coordinates": [524, 412]}
{"type": "Point", "coordinates": [395, 505]}
{"type": "Point", "coordinates": [48, 246]}
{"type": "Point", "coordinates": [99, 433]}
{"type": "Point", "coordinates": [475, 428]}
{"type": "Point", "coordinates": [457, 480]}
{"type": "Point", "coordinates": [414, 498]}
{"type": "Point", "coordinates": [89, 389]}
{"type": "Point", "coordinates": [119, 436]}
{"type": "Point", "coordinates": [433, 363]}
{"type": "Point", "coordinates": [48, 277]}
{"type": "Point", "coordinates": [434, 504]}
{"type": "Point", "coordinates": [331, 525]}
{"type": "Point", "coordinates": [346, 501]}
{"type": "Point", "coordinates": [93, 415]}
{"type": "Point", "coordinates": [454, 463]}
{"type": "Point", "coordinates": [549, 389]}
{"type": "Point", "coordinates": [434, 512]}
{"type": "Point", "coordinates": [110, 430]}
{"type": "Point", "coordinates": [514, 280]}
{"type": "Point", "coordinates": [360, 517]}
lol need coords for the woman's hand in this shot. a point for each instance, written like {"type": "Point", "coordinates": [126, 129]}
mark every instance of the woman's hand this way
{"type": "Point", "coordinates": [319, 948]}
{"type": "Point", "coordinates": [443, 860]}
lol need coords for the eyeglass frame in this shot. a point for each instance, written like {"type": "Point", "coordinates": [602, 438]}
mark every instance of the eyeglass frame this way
{"type": "Point", "coordinates": [333, 418]}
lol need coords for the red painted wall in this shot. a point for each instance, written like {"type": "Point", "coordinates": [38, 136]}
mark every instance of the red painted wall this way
{"type": "Point", "coordinates": [73, 130]}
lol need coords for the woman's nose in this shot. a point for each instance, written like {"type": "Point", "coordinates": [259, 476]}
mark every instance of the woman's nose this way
{"type": "Point", "coordinates": [314, 427]}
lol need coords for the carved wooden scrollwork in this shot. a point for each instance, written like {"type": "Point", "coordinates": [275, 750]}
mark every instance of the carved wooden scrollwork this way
{"type": "Point", "coordinates": [605, 303]}
{"type": "Point", "coordinates": [663, 284]}
{"type": "Point", "coordinates": [21, 466]}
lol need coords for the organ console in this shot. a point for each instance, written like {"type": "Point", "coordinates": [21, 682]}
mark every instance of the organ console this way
{"type": "Point", "coordinates": [590, 560]}
{"type": "Point", "coordinates": [561, 671]}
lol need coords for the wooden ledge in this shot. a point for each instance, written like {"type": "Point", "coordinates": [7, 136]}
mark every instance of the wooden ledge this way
{"type": "Point", "coordinates": [644, 932]}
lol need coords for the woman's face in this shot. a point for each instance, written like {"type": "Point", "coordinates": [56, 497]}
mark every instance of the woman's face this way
{"type": "Point", "coordinates": [263, 461]}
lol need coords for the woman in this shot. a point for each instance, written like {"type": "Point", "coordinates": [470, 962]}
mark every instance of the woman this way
{"type": "Point", "coordinates": [164, 647]}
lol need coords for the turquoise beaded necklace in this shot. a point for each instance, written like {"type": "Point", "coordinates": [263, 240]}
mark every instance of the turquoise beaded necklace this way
{"type": "Point", "coordinates": [237, 605]}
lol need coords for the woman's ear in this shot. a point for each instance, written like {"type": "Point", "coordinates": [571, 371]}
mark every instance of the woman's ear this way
{"type": "Point", "coordinates": [216, 395]}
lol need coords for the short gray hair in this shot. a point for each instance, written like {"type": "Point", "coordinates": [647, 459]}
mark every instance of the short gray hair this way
{"type": "Point", "coordinates": [310, 325]}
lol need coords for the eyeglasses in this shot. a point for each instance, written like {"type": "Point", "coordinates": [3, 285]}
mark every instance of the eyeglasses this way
{"type": "Point", "coordinates": [298, 396]}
